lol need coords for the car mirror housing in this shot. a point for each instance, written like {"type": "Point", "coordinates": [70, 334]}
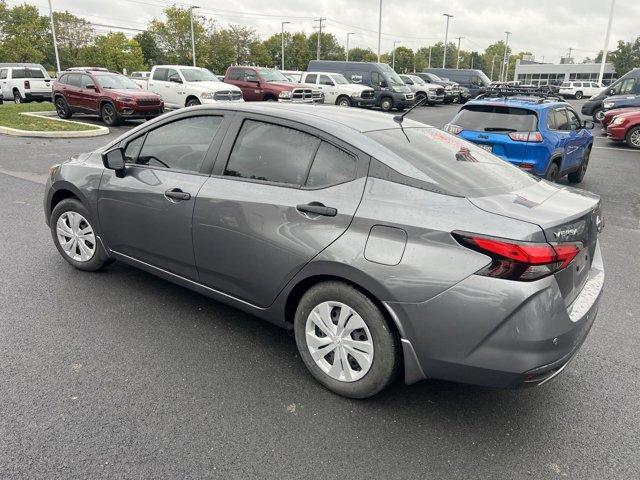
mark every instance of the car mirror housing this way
{"type": "Point", "coordinates": [589, 124]}
{"type": "Point", "coordinates": [91, 86]}
{"type": "Point", "coordinates": [114, 160]}
{"type": "Point", "coordinates": [175, 80]}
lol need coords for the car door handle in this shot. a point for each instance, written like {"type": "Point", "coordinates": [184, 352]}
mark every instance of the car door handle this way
{"type": "Point", "coordinates": [318, 209]}
{"type": "Point", "coordinates": [177, 194]}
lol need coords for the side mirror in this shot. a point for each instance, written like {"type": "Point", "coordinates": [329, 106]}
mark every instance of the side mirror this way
{"type": "Point", "coordinates": [175, 79]}
{"type": "Point", "coordinates": [114, 160]}
{"type": "Point", "coordinates": [383, 84]}
{"type": "Point", "coordinates": [589, 124]}
{"type": "Point", "coordinates": [91, 86]}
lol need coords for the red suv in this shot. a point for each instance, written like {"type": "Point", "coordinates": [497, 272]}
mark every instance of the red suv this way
{"type": "Point", "coordinates": [625, 127]}
{"type": "Point", "coordinates": [110, 95]}
{"type": "Point", "coordinates": [268, 84]}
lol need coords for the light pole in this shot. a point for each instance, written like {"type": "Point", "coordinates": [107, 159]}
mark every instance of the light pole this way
{"type": "Point", "coordinates": [193, 37]}
{"type": "Point", "coordinates": [282, 38]}
{"type": "Point", "coordinates": [348, 35]}
{"type": "Point", "coordinates": [446, 39]}
{"type": "Point", "coordinates": [493, 61]}
{"type": "Point", "coordinates": [393, 55]}
{"type": "Point", "coordinates": [606, 43]}
{"type": "Point", "coordinates": [458, 58]}
{"type": "Point", "coordinates": [53, 33]}
{"type": "Point", "coordinates": [504, 68]}
{"type": "Point", "coordinates": [429, 57]}
{"type": "Point", "coordinates": [379, 29]}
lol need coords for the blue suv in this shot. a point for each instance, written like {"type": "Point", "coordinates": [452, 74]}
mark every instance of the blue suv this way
{"type": "Point", "coordinates": [544, 137]}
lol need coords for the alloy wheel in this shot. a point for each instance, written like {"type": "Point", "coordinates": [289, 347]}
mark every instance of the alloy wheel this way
{"type": "Point", "coordinates": [600, 115]}
{"type": "Point", "coordinates": [61, 107]}
{"type": "Point", "coordinates": [634, 138]}
{"type": "Point", "coordinates": [108, 114]}
{"type": "Point", "coordinates": [17, 98]}
{"type": "Point", "coordinates": [76, 236]}
{"type": "Point", "coordinates": [339, 341]}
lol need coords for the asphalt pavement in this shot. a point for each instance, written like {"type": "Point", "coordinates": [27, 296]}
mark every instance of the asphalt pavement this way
{"type": "Point", "coordinates": [122, 375]}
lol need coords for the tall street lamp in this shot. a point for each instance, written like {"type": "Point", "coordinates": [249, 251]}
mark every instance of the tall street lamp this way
{"type": "Point", "coordinates": [282, 38]}
{"type": "Point", "coordinates": [193, 37]}
{"type": "Point", "coordinates": [348, 35]}
{"type": "Point", "coordinates": [379, 29]}
{"type": "Point", "coordinates": [606, 42]}
{"type": "Point", "coordinates": [53, 32]}
{"type": "Point", "coordinates": [446, 39]}
{"type": "Point", "coordinates": [505, 67]}
{"type": "Point", "coordinates": [393, 55]}
{"type": "Point", "coordinates": [458, 56]}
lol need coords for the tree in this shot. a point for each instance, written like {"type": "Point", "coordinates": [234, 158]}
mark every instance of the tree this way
{"type": "Point", "coordinates": [494, 54]}
{"type": "Point", "coordinates": [173, 36]}
{"type": "Point", "coordinates": [73, 35]}
{"type": "Point", "coordinates": [222, 51]}
{"type": "Point", "coordinates": [404, 59]}
{"type": "Point", "coordinates": [24, 35]}
{"type": "Point", "coordinates": [362, 55]}
{"type": "Point", "coordinates": [151, 52]}
{"type": "Point", "coordinates": [298, 55]}
{"type": "Point", "coordinates": [259, 55]}
{"type": "Point", "coordinates": [242, 39]}
{"type": "Point", "coordinates": [330, 49]}
{"type": "Point", "coordinates": [625, 57]}
{"type": "Point", "coordinates": [115, 52]}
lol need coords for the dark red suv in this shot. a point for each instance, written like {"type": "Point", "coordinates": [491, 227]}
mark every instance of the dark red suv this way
{"type": "Point", "coordinates": [110, 95]}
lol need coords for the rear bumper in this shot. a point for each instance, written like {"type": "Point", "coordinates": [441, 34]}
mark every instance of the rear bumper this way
{"type": "Point", "coordinates": [497, 333]}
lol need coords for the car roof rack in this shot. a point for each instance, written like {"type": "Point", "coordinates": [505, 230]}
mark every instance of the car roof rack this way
{"type": "Point", "coordinates": [520, 92]}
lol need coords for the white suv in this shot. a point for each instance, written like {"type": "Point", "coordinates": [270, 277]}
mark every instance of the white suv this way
{"type": "Point", "coordinates": [579, 90]}
{"type": "Point", "coordinates": [25, 82]}
{"type": "Point", "coordinates": [337, 90]}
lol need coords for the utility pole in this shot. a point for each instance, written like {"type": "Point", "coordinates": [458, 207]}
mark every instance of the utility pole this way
{"type": "Point", "coordinates": [429, 57]}
{"type": "Point", "coordinates": [320, 21]}
{"type": "Point", "coordinates": [471, 60]}
{"type": "Point", "coordinates": [606, 42]}
{"type": "Point", "coordinates": [282, 38]}
{"type": "Point", "coordinates": [393, 55]}
{"type": "Point", "coordinates": [458, 59]}
{"type": "Point", "coordinates": [503, 68]}
{"type": "Point", "coordinates": [569, 57]}
{"type": "Point", "coordinates": [193, 37]}
{"type": "Point", "coordinates": [493, 60]}
{"type": "Point", "coordinates": [348, 34]}
{"type": "Point", "coordinates": [379, 29]}
{"type": "Point", "coordinates": [446, 39]}
{"type": "Point", "coordinates": [53, 33]}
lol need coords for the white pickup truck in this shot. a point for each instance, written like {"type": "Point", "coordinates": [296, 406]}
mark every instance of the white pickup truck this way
{"type": "Point", "coordinates": [183, 86]}
{"type": "Point", "coordinates": [338, 90]}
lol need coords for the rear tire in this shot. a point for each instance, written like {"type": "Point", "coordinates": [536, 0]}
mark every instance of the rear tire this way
{"type": "Point", "coordinates": [553, 172]}
{"type": "Point", "coordinates": [579, 95]}
{"type": "Point", "coordinates": [386, 104]}
{"type": "Point", "coordinates": [633, 137]}
{"type": "Point", "coordinates": [598, 115]}
{"type": "Point", "coordinates": [366, 349]}
{"type": "Point", "coordinates": [578, 175]}
{"type": "Point", "coordinates": [17, 98]}
{"type": "Point", "coordinates": [62, 108]}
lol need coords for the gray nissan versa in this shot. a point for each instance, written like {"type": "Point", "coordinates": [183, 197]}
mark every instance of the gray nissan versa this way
{"type": "Point", "coordinates": [389, 247]}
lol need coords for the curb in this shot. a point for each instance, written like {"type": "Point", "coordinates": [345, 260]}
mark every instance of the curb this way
{"type": "Point", "coordinates": [96, 132]}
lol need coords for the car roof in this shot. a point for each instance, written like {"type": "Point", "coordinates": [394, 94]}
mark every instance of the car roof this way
{"type": "Point", "coordinates": [532, 103]}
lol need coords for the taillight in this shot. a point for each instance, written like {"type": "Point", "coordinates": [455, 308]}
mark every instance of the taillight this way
{"type": "Point", "coordinates": [527, 166]}
{"type": "Point", "coordinates": [523, 261]}
{"type": "Point", "coordinates": [27, 84]}
{"type": "Point", "coordinates": [453, 129]}
{"type": "Point", "coordinates": [526, 136]}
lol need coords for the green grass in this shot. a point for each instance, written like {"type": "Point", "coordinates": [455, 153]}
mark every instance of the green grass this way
{"type": "Point", "coordinates": [10, 117]}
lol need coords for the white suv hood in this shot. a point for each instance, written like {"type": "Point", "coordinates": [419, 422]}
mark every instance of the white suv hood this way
{"type": "Point", "coordinates": [212, 86]}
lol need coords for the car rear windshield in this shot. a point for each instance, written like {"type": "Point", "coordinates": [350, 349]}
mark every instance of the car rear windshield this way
{"type": "Point", "coordinates": [451, 163]}
{"type": "Point", "coordinates": [496, 118]}
{"type": "Point", "coordinates": [27, 73]}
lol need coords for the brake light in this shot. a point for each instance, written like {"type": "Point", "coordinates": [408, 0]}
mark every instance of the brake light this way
{"type": "Point", "coordinates": [527, 166]}
{"type": "Point", "coordinates": [452, 129]}
{"type": "Point", "coordinates": [526, 136]}
{"type": "Point", "coordinates": [27, 84]}
{"type": "Point", "coordinates": [522, 261]}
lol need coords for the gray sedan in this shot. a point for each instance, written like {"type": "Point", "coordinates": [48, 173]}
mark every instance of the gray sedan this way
{"type": "Point", "coordinates": [389, 247]}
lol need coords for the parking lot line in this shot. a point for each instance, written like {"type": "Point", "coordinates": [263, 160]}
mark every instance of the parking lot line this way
{"type": "Point", "coordinates": [620, 149]}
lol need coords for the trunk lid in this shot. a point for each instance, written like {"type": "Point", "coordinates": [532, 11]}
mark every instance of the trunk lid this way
{"type": "Point", "coordinates": [566, 215]}
{"type": "Point", "coordinates": [498, 143]}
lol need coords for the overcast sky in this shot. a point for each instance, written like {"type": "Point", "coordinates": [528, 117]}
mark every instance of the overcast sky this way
{"type": "Point", "coordinates": [548, 28]}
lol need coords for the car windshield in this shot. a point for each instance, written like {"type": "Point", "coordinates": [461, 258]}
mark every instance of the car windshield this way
{"type": "Point", "coordinates": [484, 80]}
{"type": "Point", "coordinates": [433, 77]}
{"type": "Point", "coordinates": [339, 79]}
{"type": "Point", "coordinates": [118, 82]}
{"type": "Point", "coordinates": [455, 165]}
{"type": "Point", "coordinates": [271, 75]}
{"type": "Point", "coordinates": [416, 79]}
{"type": "Point", "coordinates": [495, 118]}
{"type": "Point", "coordinates": [198, 75]}
{"type": "Point", "coordinates": [390, 75]}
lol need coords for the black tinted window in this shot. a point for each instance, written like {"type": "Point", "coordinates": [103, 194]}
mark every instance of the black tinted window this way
{"type": "Point", "coordinates": [272, 153]}
{"type": "Point", "coordinates": [331, 166]}
{"type": "Point", "coordinates": [561, 120]}
{"type": "Point", "coordinates": [35, 73]}
{"type": "Point", "coordinates": [376, 78]}
{"type": "Point", "coordinates": [180, 145]}
{"type": "Point", "coordinates": [133, 149]}
{"type": "Point", "coordinates": [86, 80]}
{"type": "Point", "coordinates": [311, 78]}
{"type": "Point", "coordinates": [3, 73]}
{"type": "Point", "coordinates": [160, 74]}
{"type": "Point", "coordinates": [451, 163]}
{"type": "Point", "coordinates": [73, 79]}
{"type": "Point", "coordinates": [495, 118]}
{"type": "Point", "coordinates": [235, 74]}
{"type": "Point", "coordinates": [325, 80]}
{"type": "Point", "coordinates": [19, 73]}
{"type": "Point", "coordinates": [574, 121]}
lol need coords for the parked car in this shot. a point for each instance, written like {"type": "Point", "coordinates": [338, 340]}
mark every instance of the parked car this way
{"type": "Point", "coordinates": [183, 86]}
{"type": "Point", "coordinates": [621, 101]}
{"type": "Point", "coordinates": [432, 92]}
{"type": "Point", "coordinates": [143, 75]}
{"type": "Point", "coordinates": [628, 84]}
{"type": "Point", "coordinates": [474, 80]}
{"type": "Point", "coordinates": [546, 138]}
{"type": "Point", "coordinates": [580, 89]}
{"type": "Point", "coordinates": [389, 89]}
{"type": "Point", "coordinates": [25, 82]}
{"type": "Point", "coordinates": [609, 115]}
{"type": "Point", "coordinates": [338, 91]}
{"type": "Point", "coordinates": [110, 95]}
{"type": "Point", "coordinates": [450, 94]}
{"type": "Point", "coordinates": [260, 84]}
{"type": "Point", "coordinates": [387, 250]}
{"type": "Point", "coordinates": [626, 127]}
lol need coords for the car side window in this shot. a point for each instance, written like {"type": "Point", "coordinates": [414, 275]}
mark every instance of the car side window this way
{"type": "Point", "coordinates": [3, 74]}
{"type": "Point", "coordinates": [160, 74]}
{"type": "Point", "coordinates": [325, 80]}
{"type": "Point", "coordinates": [133, 149]}
{"type": "Point", "coordinates": [331, 166]}
{"type": "Point", "coordinates": [624, 87]}
{"type": "Point", "coordinates": [376, 78]}
{"type": "Point", "coordinates": [18, 73]}
{"type": "Point", "coordinates": [173, 75]}
{"type": "Point", "coordinates": [73, 79]}
{"type": "Point", "coordinates": [551, 120]}
{"type": "Point", "coordinates": [271, 153]}
{"type": "Point", "coordinates": [179, 145]}
{"type": "Point", "coordinates": [311, 78]}
{"type": "Point", "coordinates": [574, 121]}
{"type": "Point", "coordinates": [235, 74]}
{"type": "Point", "coordinates": [250, 75]}
{"type": "Point", "coordinates": [562, 121]}
{"type": "Point", "coordinates": [86, 80]}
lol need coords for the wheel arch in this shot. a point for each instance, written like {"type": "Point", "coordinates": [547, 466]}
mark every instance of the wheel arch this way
{"type": "Point", "coordinates": [270, 96]}
{"type": "Point", "coordinates": [341, 96]}
{"type": "Point", "coordinates": [191, 96]}
{"type": "Point", "coordinates": [62, 191]}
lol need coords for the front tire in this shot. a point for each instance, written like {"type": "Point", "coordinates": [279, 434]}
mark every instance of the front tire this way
{"type": "Point", "coordinates": [344, 340]}
{"type": "Point", "coordinates": [192, 102]}
{"type": "Point", "coordinates": [579, 95]}
{"type": "Point", "coordinates": [633, 137]}
{"type": "Point", "coordinates": [386, 104]}
{"type": "Point", "coordinates": [109, 115]}
{"type": "Point", "coordinates": [75, 237]}
{"type": "Point", "coordinates": [343, 102]}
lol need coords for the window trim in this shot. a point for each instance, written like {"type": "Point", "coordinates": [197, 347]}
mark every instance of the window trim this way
{"type": "Point", "coordinates": [308, 188]}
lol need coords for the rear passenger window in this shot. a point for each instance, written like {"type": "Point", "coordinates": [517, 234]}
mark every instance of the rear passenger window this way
{"type": "Point", "coordinates": [73, 79]}
{"type": "Point", "coordinates": [18, 73]}
{"type": "Point", "coordinates": [3, 74]}
{"type": "Point", "coordinates": [179, 145]}
{"type": "Point", "coordinates": [562, 122]}
{"type": "Point", "coordinates": [311, 78]}
{"type": "Point", "coordinates": [160, 74]}
{"type": "Point", "coordinates": [271, 153]}
{"type": "Point", "coordinates": [331, 167]}
{"type": "Point", "coordinates": [235, 74]}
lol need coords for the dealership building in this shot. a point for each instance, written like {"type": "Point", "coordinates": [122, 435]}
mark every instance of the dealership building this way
{"type": "Point", "coordinates": [536, 73]}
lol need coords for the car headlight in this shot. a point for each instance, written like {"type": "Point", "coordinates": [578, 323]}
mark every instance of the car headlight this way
{"type": "Point", "coordinates": [448, 87]}
{"type": "Point", "coordinates": [617, 121]}
{"type": "Point", "coordinates": [125, 99]}
{"type": "Point", "coordinates": [607, 105]}
{"type": "Point", "coordinates": [355, 95]}
{"type": "Point", "coordinates": [285, 94]}
{"type": "Point", "coordinates": [208, 95]}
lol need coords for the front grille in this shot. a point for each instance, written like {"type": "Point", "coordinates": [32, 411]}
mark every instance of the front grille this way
{"type": "Point", "coordinates": [367, 94]}
{"type": "Point", "coordinates": [305, 95]}
{"type": "Point", "coordinates": [146, 101]}
{"type": "Point", "coordinates": [440, 91]}
{"type": "Point", "coordinates": [227, 95]}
